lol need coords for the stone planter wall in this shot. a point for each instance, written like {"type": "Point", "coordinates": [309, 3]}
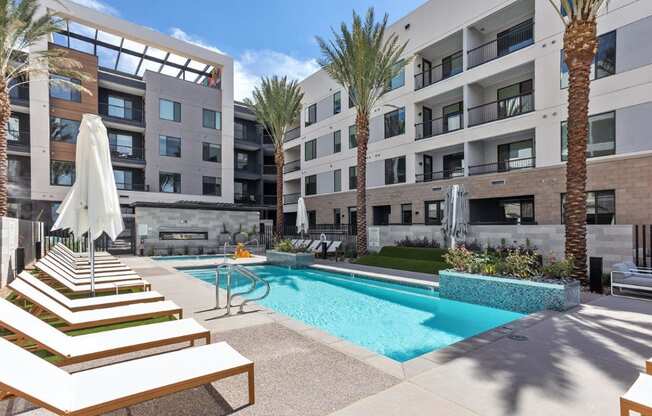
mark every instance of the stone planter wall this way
{"type": "Point", "coordinates": [510, 294]}
{"type": "Point", "coordinates": [290, 259]}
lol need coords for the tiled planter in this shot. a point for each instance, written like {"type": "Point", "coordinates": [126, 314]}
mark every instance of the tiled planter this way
{"type": "Point", "coordinates": [510, 294]}
{"type": "Point", "coordinates": [290, 259]}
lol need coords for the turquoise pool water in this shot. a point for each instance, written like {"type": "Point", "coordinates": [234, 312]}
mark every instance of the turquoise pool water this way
{"type": "Point", "coordinates": [400, 322]}
{"type": "Point", "coordinates": [188, 257]}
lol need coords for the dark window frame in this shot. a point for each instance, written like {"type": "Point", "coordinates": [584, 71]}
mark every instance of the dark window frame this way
{"type": "Point", "coordinates": [389, 170]}
{"type": "Point", "coordinates": [313, 150]}
{"type": "Point", "coordinates": [206, 152]}
{"type": "Point", "coordinates": [353, 136]}
{"type": "Point", "coordinates": [404, 219]}
{"type": "Point", "coordinates": [311, 115]}
{"type": "Point", "coordinates": [211, 119]}
{"type": "Point", "coordinates": [63, 162]}
{"type": "Point", "coordinates": [62, 119]}
{"type": "Point", "coordinates": [337, 102]}
{"type": "Point", "coordinates": [176, 110]}
{"type": "Point", "coordinates": [215, 182]}
{"type": "Point", "coordinates": [337, 177]}
{"type": "Point", "coordinates": [175, 176]}
{"type": "Point", "coordinates": [165, 138]}
{"type": "Point", "coordinates": [426, 211]}
{"type": "Point", "coordinates": [353, 179]}
{"type": "Point", "coordinates": [393, 127]}
{"type": "Point", "coordinates": [310, 185]}
{"type": "Point", "coordinates": [596, 195]}
{"type": "Point", "coordinates": [588, 155]}
{"type": "Point", "coordinates": [337, 141]}
{"type": "Point", "coordinates": [563, 68]}
{"type": "Point", "coordinates": [74, 95]}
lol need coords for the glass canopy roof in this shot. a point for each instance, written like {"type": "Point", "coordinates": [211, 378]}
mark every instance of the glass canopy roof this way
{"type": "Point", "coordinates": [122, 55]}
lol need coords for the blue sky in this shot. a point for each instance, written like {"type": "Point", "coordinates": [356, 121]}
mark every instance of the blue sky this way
{"type": "Point", "coordinates": [263, 37]}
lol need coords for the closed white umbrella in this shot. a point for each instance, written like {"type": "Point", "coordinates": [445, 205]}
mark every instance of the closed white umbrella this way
{"type": "Point", "coordinates": [92, 205]}
{"type": "Point", "coordinates": [302, 217]}
{"type": "Point", "coordinates": [454, 222]}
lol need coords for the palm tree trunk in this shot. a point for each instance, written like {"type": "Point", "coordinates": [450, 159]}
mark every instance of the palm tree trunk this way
{"type": "Point", "coordinates": [5, 113]}
{"type": "Point", "coordinates": [580, 46]}
{"type": "Point", "coordinates": [362, 132]}
{"type": "Point", "coordinates": [280, 219]}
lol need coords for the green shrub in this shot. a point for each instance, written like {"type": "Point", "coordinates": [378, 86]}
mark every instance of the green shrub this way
{"type": "Point", "coordinates": [521, 265]}
{"type": "Point", "coordinates": [284, 246]}
{"type": "Point", "coordinates": [558, 269]}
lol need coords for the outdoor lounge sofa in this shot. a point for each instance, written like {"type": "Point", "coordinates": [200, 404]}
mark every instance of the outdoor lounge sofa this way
{"type": "Point", "coordinates": [102, 344]}
{"type": "Point", "coordinates": [104, 389]}
{"type": "Point", "coordinates": [86, 303]}
{"type": "Point", "coordinates": [633, 279]}
{"type": "Point", "coordinates": [44, 305]}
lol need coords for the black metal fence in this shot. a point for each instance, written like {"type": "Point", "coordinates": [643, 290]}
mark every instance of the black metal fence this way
{"type": "Point", "coordinates": [451, 67]}
{"type": "Point", "coordinates": [437, 126]}
{"type": "Point", "coordinates": [502, 166]}
{"type": "Point", "coordinates": [643, 245]}
{"type": "Point", "coordinates": [53, 238]}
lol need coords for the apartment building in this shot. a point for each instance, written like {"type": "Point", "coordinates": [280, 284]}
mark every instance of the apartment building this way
{"type": "Point", "coordinates": [482, 103]}
{"type": "Point", "coordinates": [167, 105]}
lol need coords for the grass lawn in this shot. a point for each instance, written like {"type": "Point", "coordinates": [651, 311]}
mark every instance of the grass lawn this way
{"type": "Point", "coordinates": [413, 259]}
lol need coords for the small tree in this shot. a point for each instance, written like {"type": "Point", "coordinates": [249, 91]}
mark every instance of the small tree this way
{"type": "Point", "coordinates": [277, 104]}
{"type": "Point", "coordinates": [22, 29]}
{"type": "Point", "coordinates": [580, 47]}
{"type": "Point", "coordinates": [363, 60]}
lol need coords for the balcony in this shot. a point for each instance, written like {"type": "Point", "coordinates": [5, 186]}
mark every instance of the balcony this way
{"type": "Point", "coordinates": [439, 126]}
{"type": "Point", "coordinates": [440, 175]}
{"type": "Point", "coordinates": [19, 95]}
{"type": "Point", "coordinates": [246, 198]}
{"type": "Point", "coordinates": [295, 133]}
{"type": "Point", "coordinates": [130, 186]}
{"type": "Point", "coordinates": [269, 169]}
{"type": "Point", "coordinates": [451, 67]}
{"type": "Point", "coordinates": [511, 40]}
{"type": "Point", "coordinates": [289, 199]}
{"type": "Point", "coordinates": [118, 113]}
{"type": "Point", "coordinates": [124, 152]}
{"type": "Point", "coordinates": [269, 199]}
{"type": "Point", "coordinates": [501, 109]}
{"type": "Point", "coordinates": [18, 186]}
{"type": "Point", "coordinates": [293, 166]}
{"type": "Point", "coordinates": [502, 166]}
{"type": "Point", "coordinates": [18, 140]}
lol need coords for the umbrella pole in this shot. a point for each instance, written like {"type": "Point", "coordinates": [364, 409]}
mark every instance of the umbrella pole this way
{"type": "Point", "coordinates": [91, 254]}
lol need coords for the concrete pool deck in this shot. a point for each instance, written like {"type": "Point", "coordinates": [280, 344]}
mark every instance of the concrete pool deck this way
{"type": "Point", "coordinates": [577, 362]}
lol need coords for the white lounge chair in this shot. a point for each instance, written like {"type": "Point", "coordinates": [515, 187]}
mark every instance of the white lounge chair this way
{"type": "Point", "coordinates": [78, 287]}
{"type": "Point", "coordinates": [87, 303]}
{"type": "Point", "coordinates": [86, 273]}
{"type": "Point", "coordinates": [294, 242]}
{"type": "Point", "coordinates": [630, 280]}
{"type": "Point", "coordinates": [92, 318]}
{"type": "Point", "coordinates": [82, 279]}
{"type": "Point", "coordinates": [84, 261]}
{"type": "Point", "coordinates": [78, 266]}
{"type": "Point", "coordinates": [312, 245]}
{"type": "Point", "coordinates": [333, 247]}
{"type": "Point", "coordinates": [316, 248]}
{"type": "Point", "coordinates": [104, 389]}
{"type": "Point", "coordinates": [82, 255]}
{"type": "Point", "coordinates": [638, 398]}
{"type": "Point", "coordinates": [102, 344]}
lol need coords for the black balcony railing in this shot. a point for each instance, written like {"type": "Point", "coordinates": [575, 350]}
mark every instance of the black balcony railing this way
{"type": "Point", "coordinates": [245, 137]}
{"type": "Point", "coordinates": [441, 175]}
{"type": "Point", "coordinates": [269, 199]}
{"type": "Point", "coordinates": [518, 38]}
{"type": "Point", "coordinates": [502, 166]}
{"type": "Point", "coordinates": [18, 138]}
{"type": "Point", "coordinates": [439, 72]}
{"type": "Point", "coordinates": [246, 198]}
{"type": "Point", "coordinates": [443, 125]}
{"type": "Point", "coordinates": [127, 152]}
{"type": "Point", "coordinates": [292, 134]}
{"type": "Point", "coordinates": [130, 186]}
{"type": "Point", "coordinates": [498, 110]}
{"type": "Point", "coordinates": [269, 169]}
{"type": "Point", "coordinates": [289, 199]}
{"type": "Point", "coordinates": [121, 113]}
{"type": "Point", "coordinates": [293, 166]}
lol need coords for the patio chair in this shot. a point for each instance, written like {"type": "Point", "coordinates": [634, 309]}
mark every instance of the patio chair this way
{"type": "Point", "coordinates": [98, 345]}
{"type": "Point", "coordinates": [638, 398]}
{"type": "Point", "coordinates": [76, 287]}
{"type": "Point", "coordinates": [99, 255]}
{"type": "Point", "coordinates": [77, 274]}
{"type": "Point", "coordinates": [333, 247]}
{"type": "Point", "coordinates": [82, 279]}
{"type": "Point", "coordinates": [317, 247]}
{"type": "Point", "coordinates": [85, 268]}
{"type": "Point", "coordinates": [68, 254]}
{"type": "Point", "coordinates": [87, 303]}
{"type": "Point", "coordinates": [44, 305]}
{"type": "Point", "coordinates": [630, 280]}
{"type": "Point", "coordinates": [294, 242]}
{"type": "Point", "coordinates": [115, 386]}
{"type": "Point", "coordinates": [311, 247]}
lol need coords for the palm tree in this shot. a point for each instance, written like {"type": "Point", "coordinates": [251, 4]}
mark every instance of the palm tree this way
{"type": "Point", "coordinates": [363, 60]}
{"type": "Point", "coordinates": [277, 104]}
{"type": "Point", "coordinates": [580, 47]}
{"type": "Point", "coordinates": [22, 28]}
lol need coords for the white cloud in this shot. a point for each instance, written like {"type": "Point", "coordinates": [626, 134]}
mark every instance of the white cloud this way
{"type": "Point", "coordinates": [98, 5]}
{"type": "Point", "coordinates": [252, 64]}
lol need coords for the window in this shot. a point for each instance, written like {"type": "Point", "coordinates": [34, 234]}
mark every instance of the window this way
{"type": "Point", "coordinates": [183, 235]}
{"type": "Point", "coordinates": [600, 207]}
{"type": "Point", "coordinates": [337, 217]}
{"type": "Point", "coordinates": [395, 170]}
{"type": "Point", "coordinates": [406, 214]}
{"type": "Point", "coordinates": [13, 129]}
{"type": "Point", "coordinates": [211, 186]}
{"type": "Point", "coordinates": [602, 136]}
{"type": "Point", "coordinates": [169, 146]}
{"type": "Point", "coordinates": [604, 63]}
{"type": "Point", "coordinates": [311, 185]}
{"type": "Point", "coordinates": [211, 152]}
{"type": "Point", "coordinates": [169, 182]}
{"type": "Point", "coordinates": [515, 99]}
{"type": "Point", "coordinates": [239, 130]}
{"type": "Point", "coordinates": [433, 212]}
{"type": "Point", "coordinates": [211, 119]}
{"type": "Point", "coordinates": [337, 102]}
{"type": "Point", "coordinates": [63, 130]}
{"type": "Point", "coordinates": [311, 115]}
{"type": "Point", "coordinates": [510, 210]}
{"type": "Point", "coordinates": [351, 100]}
{"type": "Point", "coordinates": [395, 123]}
{"type": "Point", "coordinates": [120, 107]}
{"type": "Point", "coordinates": [398, 80]}
{"type": "Point", "coordinates": [311, 149]}
{"type": "Point", "coordinates": [337, 180]}
{"type": "Point", "coordinates": [353, 138]}
{"type": "Point", "coordinates": [241, 161]}
{"type": "Point", "coordinates": [124, 179]}
{"type": "Point", "coordinates": [353, 177]}
{"type": "Point", "coordinates": [516, 155]}
{"type": "Point", "coordinates": [122, 144]}
{"type": "Point", "coordinates": [60, 88]}
{"type": "Point", "coordinates": [312, 218]}
{"type": "Point", "coordinates": [337, 141]}
{"type": "Point", "coordinates": [381, 214]}
{"type": "Point", "coordinates": [62, 172]}
{"type": "Point", "coordinates": [169, 110]}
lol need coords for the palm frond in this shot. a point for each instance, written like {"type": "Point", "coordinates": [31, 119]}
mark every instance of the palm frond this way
{"type": "Point", "coordinates": [577, 9]}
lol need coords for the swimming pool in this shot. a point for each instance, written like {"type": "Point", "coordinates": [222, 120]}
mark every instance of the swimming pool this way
{"type": "Point", "coordinates": [398, 321]}
{"type": "Point", "coordinates": [188, 257]}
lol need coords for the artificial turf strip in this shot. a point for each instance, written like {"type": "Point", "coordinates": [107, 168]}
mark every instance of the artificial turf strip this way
{"type": "Point", "coordinates": [398, 263]}
{"type": "Point", "coordinates": [414, 253]}
{"type": "Point", "coordinates": [112, 327]}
